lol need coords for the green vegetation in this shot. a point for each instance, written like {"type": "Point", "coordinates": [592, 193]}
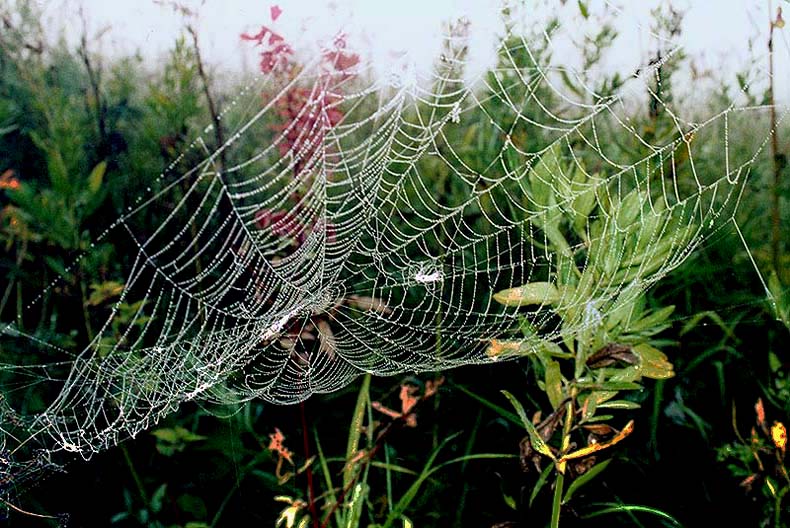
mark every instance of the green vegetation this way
{"type": "Point", "coordinates": [638, 419]}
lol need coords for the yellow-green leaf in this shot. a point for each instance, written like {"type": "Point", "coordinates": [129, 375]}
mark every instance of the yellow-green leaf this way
{"type": "Point", "coordinates": [96, 177]}
{"type": "Point", "coordinates": [554, 384]}
{"type": "Point", "coordinates": [529, 294]}
{"type": "Point", "coordinates": [102, 292]}
{"type": "Point", "coordinates": [652, 362]}
{"type": "Point", "coordinates": [534, 437]}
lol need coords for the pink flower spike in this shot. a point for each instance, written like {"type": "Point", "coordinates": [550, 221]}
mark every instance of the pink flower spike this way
{"type": "Point", "coordinates": [258, 37]}
{"type": "Point", "coordinates": [276, 12]}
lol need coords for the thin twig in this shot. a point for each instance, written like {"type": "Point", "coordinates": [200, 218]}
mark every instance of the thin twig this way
{"type": "Point", "coordinates": [94, 79]}
{"type": "Point", "coordinates": [219, 136]}
{"type": "Point", "coordinates": [777, 164]}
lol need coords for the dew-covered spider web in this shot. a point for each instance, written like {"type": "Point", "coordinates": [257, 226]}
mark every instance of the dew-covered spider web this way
{"type": "Point", "coordinates": [350, 222]}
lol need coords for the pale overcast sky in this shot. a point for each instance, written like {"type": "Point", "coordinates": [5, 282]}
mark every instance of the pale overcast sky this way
{"type": "Point", "coordinates": [716, 32]}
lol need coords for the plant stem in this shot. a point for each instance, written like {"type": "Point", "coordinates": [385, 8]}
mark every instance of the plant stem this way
{"type": "Point", "coordinates": [310, 488]}
{"type": "Point", "coordinates": [557, 502]}
{"type": "Point", "coordinates": [85, 313]}
{"type": "Point", "coordinates": [777, 165]}
{"type": "Point", "coordinates": [467, 452]}
{"type": "Point", "coordinates": [21, 252]}
{"type": "Point", "coordinates": [219, 136]}
{"type": "Point", "coordinates": [135, 476]}
{"type": "Point", "coordinates": [778, 511]}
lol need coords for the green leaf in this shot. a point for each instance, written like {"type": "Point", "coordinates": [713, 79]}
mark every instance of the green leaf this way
{"type": "Point", "coordinates": [619, 404]}
{"type": "Point", "coordinates": [654, 319]}
{"type": "Point", "coordinates": [411, 493]}
{"type": "Point", "coordinates": [355, 506]}
{"type": "Point", "coordinates": [584, 9]}
{"type": "Point", "coordinates": [57, 266]}
{"type": "Point", "coordinates": [584, 479]}
{"type": "Point", "coordinates": [629, 209]}
{"type": "Point", "coordinates": [192, 505]}
{"type": "Point", "coordinates": [534, 437]}
{"type": "Point", "coordinates": [554, 384]}
{"type": "Point", "coordinates": [102, 292]}
{"type": "Point", "coordinates": [569, 83]}
{"type": "Point", "coordinates": [779, 299]}
{"type": "Point", "coordinates": [652, 362]}
{"type": "Point", "coordinates": [543, 173]}
{"type": "Point", "coordinates": [599, 418]}
{"type": "Point", "coordinates": [510, 501]}
{"type": "Point", "coordinates": [157, 498]}
{"type": "Point", "coordinates": [8, 129]}
{"type": "Point", "coordinates": [327, 477]}
{"type": "Point", "coordinates": [544, 476]}
{"type": "Point", "coordinates": [355, 430]}
{"type": "Point", "coordinates": [609, 385]}
{"type": "Point", "coordinates": [529, 294]}
{"type": "Point", "coordinates": [96, 176]}
{"type": "Point", "coordinates": [774, 362]}
{"type": "Point", "coordinates": [392, 467]}
{"type": "Point", "coordinates": [501, 411]}
{"type": "Point", "coordinates": [166, 435]}
{"type": "Point", "coordinates": [511, 348]}
{"type": "Point", "coordinates": [630, 508]}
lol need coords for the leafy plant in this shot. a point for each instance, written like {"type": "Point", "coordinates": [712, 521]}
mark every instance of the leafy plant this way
{"type": "Point", "coordinates": [593, 365]}
{"type": "Point", "coordinates": [759, 463]}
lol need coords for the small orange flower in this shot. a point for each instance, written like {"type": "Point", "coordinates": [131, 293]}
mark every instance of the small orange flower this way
{"type": "Point", "coordinates": [760, 410]}
{"type": "Point", "coordinates": [7, 181]}
{"type": "Point", "coordinates": [432, 386]}
{"type": "Point", "coordinates": [748, 481]}
{"type": "Point", "coordinates": [276, 445]}
{"type": "Point", "coordinates": [409, 398]}
{"type": "Point", "coordinates": [779, 435]}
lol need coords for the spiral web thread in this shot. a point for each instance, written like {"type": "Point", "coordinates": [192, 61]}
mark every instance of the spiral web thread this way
{"type": "Point", "coordinates": [295, 257]}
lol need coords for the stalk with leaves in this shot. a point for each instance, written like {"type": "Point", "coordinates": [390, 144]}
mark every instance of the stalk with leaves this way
{"type": "Point", "coordinates": [593, 364]}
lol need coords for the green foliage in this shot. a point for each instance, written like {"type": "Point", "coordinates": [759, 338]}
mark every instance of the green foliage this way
{"type": "Point", "coordinates": [605, 344]}
{"type": "Point", "coordinates": [207, 466]}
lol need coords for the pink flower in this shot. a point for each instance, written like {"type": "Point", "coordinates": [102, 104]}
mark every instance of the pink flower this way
{"type": "Point", "coordinates": [276, 12]}
{"type": "Point", "coordinates": [277, 53]}
{"type": "Point", "coordinates": [285, 224]}
{"type": "Point", "coordinates": [341, 61]}
{"type": "Point", "coordinates": [282, 222]}
{"type": "Point", "coordinates": [275, 58]}
{"type": "Point", "coordinates": [258, 37]}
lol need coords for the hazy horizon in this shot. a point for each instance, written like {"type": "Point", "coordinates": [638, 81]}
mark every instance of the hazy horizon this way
{"type": "Point", "coordinates": [716, 34]}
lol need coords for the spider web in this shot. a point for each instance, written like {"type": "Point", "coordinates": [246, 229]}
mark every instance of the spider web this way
{"type": "Point", "coordinates": [366, 227]}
